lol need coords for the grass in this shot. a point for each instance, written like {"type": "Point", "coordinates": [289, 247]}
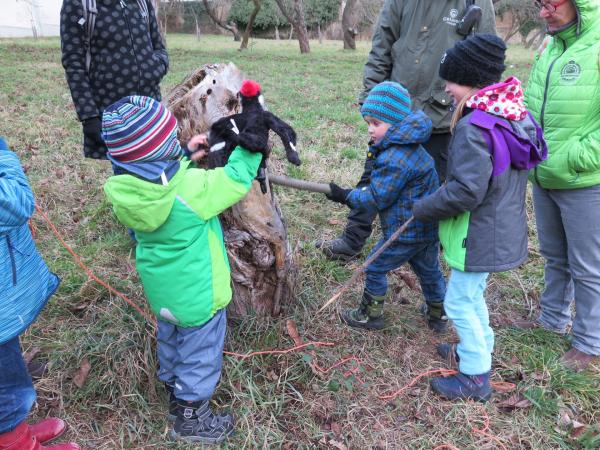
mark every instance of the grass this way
{"type": "Point", "coordinates": [278, 401]}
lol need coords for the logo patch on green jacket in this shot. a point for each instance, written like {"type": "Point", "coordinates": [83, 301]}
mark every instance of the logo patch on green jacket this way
{"type": "Point", "coordinates": [570, 72]}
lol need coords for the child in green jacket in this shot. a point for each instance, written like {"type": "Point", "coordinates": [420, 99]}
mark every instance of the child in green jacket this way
{"type": "Point", "coordinates": [180, 254]}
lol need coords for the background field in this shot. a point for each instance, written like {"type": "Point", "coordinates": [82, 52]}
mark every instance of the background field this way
{"type": "Point", "coordinates": [278, 401]}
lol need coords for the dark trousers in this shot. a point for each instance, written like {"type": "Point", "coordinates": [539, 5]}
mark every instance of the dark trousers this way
{"type": "Point", "coordinates": [17, 393]}
{"type": "Point", "coordinates": [360, 222]}
{"type": "Point", "coordinates": [423, 259]}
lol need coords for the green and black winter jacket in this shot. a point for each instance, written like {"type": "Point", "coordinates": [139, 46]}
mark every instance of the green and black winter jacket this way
{"type": "Point", "coordinates": [563, 94]}
{"type": "Point", "coordinates": [409, 40]}
{"type": "Point", "coordinates": [180, 254]}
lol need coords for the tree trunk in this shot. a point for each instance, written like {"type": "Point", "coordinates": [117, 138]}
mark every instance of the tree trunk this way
{"type": "Point", "coordinates": [260, 256]}
{"type": "Point", "coordinates": [250, 24]}
{"type": "Point", "coordinates": [320, 34]}
{"type": "Point", "coordinates": [349, 25]}
{"type": "Point", "coordinates": [197, 27]}
{"type": "Point", "coordinates": [276, 33]}
{"type": "Point", "coordinates": [231, 27]}
{"type": "Point", "coordinates": [296, 20]}
{"type": "Point", "coordinates": [536, 39]}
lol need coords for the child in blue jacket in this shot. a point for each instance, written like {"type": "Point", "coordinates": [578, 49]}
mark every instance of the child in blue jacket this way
{"type": "Point", "coordinates": [26, 286]}
{"type": "Point", "coordinates": [403, 172]}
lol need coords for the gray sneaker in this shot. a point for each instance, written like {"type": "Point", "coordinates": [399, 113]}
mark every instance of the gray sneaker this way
{"type": "Point", "coordinates": [337, 249]}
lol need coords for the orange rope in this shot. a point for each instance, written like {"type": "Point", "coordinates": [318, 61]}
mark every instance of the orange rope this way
{"type": "Point", "coordinates": [442, 372]}
{"type": "Point", "coordinates": [89, 272]}
{"type": "Point", "coordinates": [484, 431]}
{"type": "Point", "coordinates": [279, 352]}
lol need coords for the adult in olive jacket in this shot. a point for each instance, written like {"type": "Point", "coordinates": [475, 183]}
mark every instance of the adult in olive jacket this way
{"type": "Point", "coordinates": [409, 40]}
{"type": "Point", "coordinates": [563, 94]}
{"type": "Point", "coordinates": [127, 57]}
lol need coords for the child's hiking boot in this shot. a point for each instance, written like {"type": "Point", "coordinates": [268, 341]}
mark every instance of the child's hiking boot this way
{"type": "Point", "coordinates": [337, 249]}
{"type": "Point", "coordinates": [436, 316]}
{"type": "Point", "coordinates": [449, 353]}
{"type": "Point", "coordinates": [368, 315]}
{"type": "Point", "coordinates": [196, 422]}
{"type": "Point", "coordinates": [172, 403]}
{"type": "Point", "coordinates": [463, 387]}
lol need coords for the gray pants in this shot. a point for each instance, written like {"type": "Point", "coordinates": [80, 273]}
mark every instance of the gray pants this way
{"type": "Point", "coordinates": [568, 225]}
{"type": "Point", "coordinates": [190, 359]}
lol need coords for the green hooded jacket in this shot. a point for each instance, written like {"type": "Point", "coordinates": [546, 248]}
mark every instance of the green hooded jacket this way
{"type": "Point", "coordinates": [180, 254]}
{"type": "Point", "coordinates": [410, 38]}
{"type": "Point", "coordinates": [563, 94]}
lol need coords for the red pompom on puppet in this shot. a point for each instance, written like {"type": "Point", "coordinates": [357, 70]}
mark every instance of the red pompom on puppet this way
{"type": "Point", "coordinates": [250, 129]}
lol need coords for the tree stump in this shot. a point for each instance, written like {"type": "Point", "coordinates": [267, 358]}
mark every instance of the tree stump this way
{"type": "Point", "coordinates": [260, 256]}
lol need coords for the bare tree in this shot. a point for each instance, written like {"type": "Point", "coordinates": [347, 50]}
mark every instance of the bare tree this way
{"type": "Point", "coordinates": [250, 24]}
{"type": "Point", "coordinates": [523, 18]}
{"type": "Point", "coordinates": [349, 24]}
{"type": "Point", "coordinates": [231, 26]}
{"type": "Point", "coordinates": [296, 18]}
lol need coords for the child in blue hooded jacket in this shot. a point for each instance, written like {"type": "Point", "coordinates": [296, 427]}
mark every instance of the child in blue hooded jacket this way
{"type": "Point", "coordinates": [402, 173]}
{"type": "Point", "coordinates": [26, 286]}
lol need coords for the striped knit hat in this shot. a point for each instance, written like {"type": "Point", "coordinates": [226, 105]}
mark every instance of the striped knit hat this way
{"type": "Point", "coordinates": [140, 129]}
{"type": "Point", "coordinates": [388, 101]}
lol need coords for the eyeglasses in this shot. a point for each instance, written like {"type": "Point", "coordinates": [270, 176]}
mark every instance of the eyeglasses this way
{"type": "Point", "coordinates": [550, 7]}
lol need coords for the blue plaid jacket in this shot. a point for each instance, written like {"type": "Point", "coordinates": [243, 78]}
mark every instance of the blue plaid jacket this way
{"type": "Point", "coordinates": [403, 172]}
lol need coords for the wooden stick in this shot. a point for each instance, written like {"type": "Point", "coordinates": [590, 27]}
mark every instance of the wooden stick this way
{"type": "Point", "coordinates": [362, 268]}
{"type": "Point", "coordinates": [302, 185]}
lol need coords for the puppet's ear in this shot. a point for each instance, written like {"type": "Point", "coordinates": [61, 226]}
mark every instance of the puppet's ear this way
{"type": "Point", "coordinates": [261, 100]}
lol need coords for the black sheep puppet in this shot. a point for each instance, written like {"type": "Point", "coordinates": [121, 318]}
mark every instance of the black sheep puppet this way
{"type": "Point", "coordinates": [250, 129]}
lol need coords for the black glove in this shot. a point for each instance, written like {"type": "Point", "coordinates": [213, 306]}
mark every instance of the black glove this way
{"type": "Point", "coordinates": [338, 194]}
{"type": "Point", "coordinates": [92, 130]}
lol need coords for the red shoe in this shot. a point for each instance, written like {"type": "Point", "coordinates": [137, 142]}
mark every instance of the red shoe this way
{"type": "Point", "coordinates": [48, 429]}
{"type": "Point", "coordinates": [21, 438]}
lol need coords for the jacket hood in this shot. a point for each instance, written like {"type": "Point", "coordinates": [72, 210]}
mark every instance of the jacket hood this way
{"type": "Point", "coordinates": [414, 129]}
{"type": "Point", "coordinates": [519, 144]}
{"type": "Point", "coordinates": [140, 204]}
{"type": "Point", "coordinates": [587, 16]}
{"type": "Point", "coordinates": [504, 99]}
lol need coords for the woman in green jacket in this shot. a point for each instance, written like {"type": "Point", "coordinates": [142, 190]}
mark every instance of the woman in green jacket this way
{"type": "Point", "coordinates": [563, 94]}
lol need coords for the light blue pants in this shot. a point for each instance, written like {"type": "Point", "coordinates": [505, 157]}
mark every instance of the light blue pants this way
{"type": "Point", "coordinates": [190, 359]}
{"type": "Point", "coordinates": [465, 306]}
{"type": "Point", "coordinates": [568, 225]}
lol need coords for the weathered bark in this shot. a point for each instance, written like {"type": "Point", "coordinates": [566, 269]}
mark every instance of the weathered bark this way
{"type": "Point", "coordinates": [250, 24]}
{"type": "Point", "coordinates": [260, 256]}
{"type": "Point", "coordinates": [349, 25]}
{"type": "Point", "coordinates": [231, 27]}
{"type": "Point", "coordinates": [296, 19]}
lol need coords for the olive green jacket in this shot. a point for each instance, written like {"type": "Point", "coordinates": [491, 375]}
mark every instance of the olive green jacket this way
{"type": "Point", "coordinates": [410, 39]}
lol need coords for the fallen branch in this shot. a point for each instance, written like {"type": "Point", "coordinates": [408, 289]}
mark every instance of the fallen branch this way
{"type": "Point", "coordinates": [302, 185]}
{"type": "Point", "coordinates": [369, 260]}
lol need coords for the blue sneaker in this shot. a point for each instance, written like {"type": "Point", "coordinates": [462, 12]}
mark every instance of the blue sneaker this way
{"type": "Point", "coordinates": [461, 386]}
